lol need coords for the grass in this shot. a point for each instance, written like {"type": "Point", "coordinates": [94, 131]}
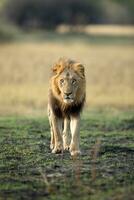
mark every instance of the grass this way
{"type": "Point", "coordinates": [25, 67]}
{"type": "Point", "coordinates": [105, 170]}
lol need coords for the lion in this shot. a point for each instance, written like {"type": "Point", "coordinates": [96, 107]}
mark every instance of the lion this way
{"type": "Point", "coordinates": [65, 103]}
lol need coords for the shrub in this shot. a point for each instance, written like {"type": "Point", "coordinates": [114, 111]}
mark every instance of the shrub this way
{"type": "Point", "coordinates": [50, 13]}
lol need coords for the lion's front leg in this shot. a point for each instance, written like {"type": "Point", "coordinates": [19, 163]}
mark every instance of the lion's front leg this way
{"type": "Point", "coordinates": [66, 139]}
{"type": "Point", "coordinates": [57, 130]}
{"type": "Point", "coordinates": [75, 132]}
{"type": "Point", "coordinates": [52, 142]}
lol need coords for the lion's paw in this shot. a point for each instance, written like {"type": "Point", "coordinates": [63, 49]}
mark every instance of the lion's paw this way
{"type": "Point", "coordinates": [66, 147]}
{"type": "Point", "coordinates": [75, 153]}
{"type": "Point", "coordinates": [51, 146]}
{"type": "Point", "coordinates": [58, 149]}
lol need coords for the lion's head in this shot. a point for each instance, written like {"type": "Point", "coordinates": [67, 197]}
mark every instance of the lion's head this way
{"type": "Point", "coordinates": [68, 81]}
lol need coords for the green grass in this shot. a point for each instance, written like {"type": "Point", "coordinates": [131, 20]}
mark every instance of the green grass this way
{"type": "Point", "coordinates": [105, 171]}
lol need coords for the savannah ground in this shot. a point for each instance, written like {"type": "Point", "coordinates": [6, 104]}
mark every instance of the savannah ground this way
{"type": "Point", "coordinates": [28, 170]}
{"type": "Point", "coordinates": [105, 170]}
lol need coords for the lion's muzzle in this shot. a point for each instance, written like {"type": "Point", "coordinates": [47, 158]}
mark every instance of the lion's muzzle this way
{"type": "Point", "coordinates": [68, 97]}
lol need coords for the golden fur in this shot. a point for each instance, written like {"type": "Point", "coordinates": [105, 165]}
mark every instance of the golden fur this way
{"type": "Point", "coordinates": [66, 100]}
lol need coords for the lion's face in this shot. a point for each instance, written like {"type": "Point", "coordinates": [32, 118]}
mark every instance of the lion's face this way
{"type": "Point", "coordinates": [68, 83]}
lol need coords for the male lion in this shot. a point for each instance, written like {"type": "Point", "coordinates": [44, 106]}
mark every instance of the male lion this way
{"type": "Point", "coordinates": [66, 100]}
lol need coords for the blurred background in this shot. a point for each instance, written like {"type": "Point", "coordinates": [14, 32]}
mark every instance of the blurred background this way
{"type": "Point", "coordinates": [34, 34]}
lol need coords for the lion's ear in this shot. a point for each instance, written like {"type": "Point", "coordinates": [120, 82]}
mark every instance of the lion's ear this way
{"type": "Point", "coordinates": [80, 69]}
{"type": "Point", "coordinates": [56, 68]}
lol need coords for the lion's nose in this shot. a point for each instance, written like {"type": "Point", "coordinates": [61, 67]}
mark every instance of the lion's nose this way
{"type": "Point", "coordinates": [68, 93]}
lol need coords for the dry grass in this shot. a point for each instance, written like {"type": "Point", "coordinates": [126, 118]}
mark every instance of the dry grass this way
{"type": "Point", "coordinates": [25, 69]}
{"type": "Point", "coordinates": [99, 29]}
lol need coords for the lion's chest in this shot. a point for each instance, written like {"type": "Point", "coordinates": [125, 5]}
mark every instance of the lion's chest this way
{"type": "Point", "coordinates": [62, 111]}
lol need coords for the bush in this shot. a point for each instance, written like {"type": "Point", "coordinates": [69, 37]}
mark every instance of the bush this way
{"type": "Point", "coordinates": [7, 32]}
{"type": "Point", "coordinates": [50, 13]}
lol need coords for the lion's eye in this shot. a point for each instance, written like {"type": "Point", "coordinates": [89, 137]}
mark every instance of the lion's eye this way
{"type": "Point", "coordinates": [61, 81]}
{"type": "Point", "coordinates": [73, 81]}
